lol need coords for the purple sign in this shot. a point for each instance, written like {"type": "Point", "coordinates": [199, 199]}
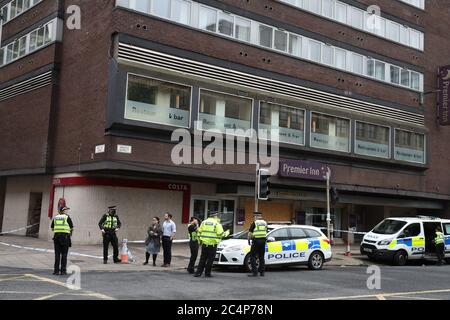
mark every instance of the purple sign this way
{"type": "Point", "coordinates": [303, 170]}
{"type": "Point", "coordinates": [443, 95]}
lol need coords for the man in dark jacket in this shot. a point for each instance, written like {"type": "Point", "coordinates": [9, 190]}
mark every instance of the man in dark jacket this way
{"type": "Point", "coordinates": [109, 224]}
{"type": "Point", "coordinates": [193, 243]}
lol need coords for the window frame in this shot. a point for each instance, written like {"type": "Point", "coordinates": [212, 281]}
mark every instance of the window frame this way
{"type": "Point", "coordinates": [333, 116]}
{"type": "Point", "coordinates": [425, 153]}
{"type": "Point", "coordinates": [374, 124]}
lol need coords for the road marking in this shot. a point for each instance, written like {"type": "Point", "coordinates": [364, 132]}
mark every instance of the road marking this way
{"type": "Point", "coordinates": [48, 296]}
{"type": "Point", "coordinates": [386, 294]}
{"type": "Point", "coordinates": [417, 298]}
{"type": "Point", "coordinates": [13, 278]}
{"type": "Point", "coordinates": [381, 297]}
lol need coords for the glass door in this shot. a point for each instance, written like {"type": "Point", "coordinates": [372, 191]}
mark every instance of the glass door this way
{"type": "Point", "coordinates": [203, 207]}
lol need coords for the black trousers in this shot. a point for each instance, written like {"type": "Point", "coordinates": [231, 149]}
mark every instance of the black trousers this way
{"type": "Point", "coordinates": [258, 249]}
{"type": "Point", "coordinates": [110, 237]}
{"type": "Point", "coordinates": [167, 249]}
{"type": "Point", "coordinates": [193, 245]}
{"type": "Point", "coordinates": [440, 252]}
{"type": "Point", "coordinates": [62, 243]}
{"type": "Point", "coordinates": [206, 259]}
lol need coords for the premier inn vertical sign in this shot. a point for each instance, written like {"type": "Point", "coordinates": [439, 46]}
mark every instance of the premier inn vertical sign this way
{"type": "Point", "coordinates": [443, 95]}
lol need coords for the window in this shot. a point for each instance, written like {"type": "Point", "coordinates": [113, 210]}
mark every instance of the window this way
{"type": "Point", "coordinates": [16, 7]}
{"type": "Point", "coordinates": [242, 29]}
{"type": "Point", "coordinates": [414, 39]}
{"type": "Point", "coordinates": [141, 6]}
{"type": "Point", "coordinates": [222, 111]}
{"type": "Point", "coordinates": [331, 133]}
{"type": "Point", "coordinates": [340, 58]}
{"type": "Point", "coordinates": [160, 7]}
{"type": "Point", "coordinates": [312, 233]}
{"type": "Point", "coordinates": [395, 74]}
{"type": "Point", "coordinates": [297, 233]}
{"type": "Point", "coordinates": [370, 67]}
{"type": "Point", "coordinates": [22, 46]}
{"type": "Point", "coordinates": [404, 77]}
{"type": "Point", "coordinates": [446, 229]}
{"type": "Point", "coordinates": [357, 17]}
{"type": "Point", "coordinates": [208, 19]}
{"type": "Point", "coordinates": [33, 40]}
{"type": "Point", "coordinates": [226, 24]}
{"type": "Point", "coordinates": [409, 146]}
{"type": "Point", "coordinates": [181, 11]}
{"type": "Point", "coordinates": [415, 80]}
{"type": "Point", "coordinates": [265, 36]}
{"type": "Point", "coordinates": [314, 53]}
{"type": "Point", "coordinates": [281, 39]}
{"type": "Point", "coordinates": [357, 63]}
{"type": "Point", "coordinates": [327, 8]}
{"type": "Point", "coordinates": [327, 54]}
{"type": "Point", "coordinates": [288, 120]}
{"type": "Point", "coordinates": [341, 12]}
{"type": "Point", "coordinates": [404, 35]}
{"type": "Point", "coordinates": [372, 140]}
{"type": "Point", "coordinates": [155, 101]}
{"type": "Point", "coordinates": [2, 56]}
{"type": "Point", "coordinates": [389, 226]}
{"type": "Point", "coordinates": [413, 230]}
{"type": "Point", "coordinates": [295, 45]}
{"type": "Point", "coordinates": [314, 6]}
{"type": "Point", "coordinates": [394, 31]}
{"type": "Point", "coordinates": [279, 234]}
{"type": "Point", "coordinates": [48, 33]}
{"type": "Point", "coordinates": [380, 70]}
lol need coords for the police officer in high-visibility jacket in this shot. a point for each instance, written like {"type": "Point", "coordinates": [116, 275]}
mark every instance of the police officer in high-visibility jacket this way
{"type": "Point", "coordinates": [109, 224]}
{"type": "Point", "coordinates": [193, 243]}
{"type": "Point", "coordinates": [439, 241]}
{"type": "Point", "coordinates": [257, 235]}
{"type": "Point", "coordinates": [62, 227]}
{"type": "Point", "coordinates": [210, 234]}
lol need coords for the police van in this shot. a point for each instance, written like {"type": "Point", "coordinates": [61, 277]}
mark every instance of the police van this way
{"type": "Point", "coordinates": [286, 245]}
{"type": "Point", "coordinates": [400, 239]}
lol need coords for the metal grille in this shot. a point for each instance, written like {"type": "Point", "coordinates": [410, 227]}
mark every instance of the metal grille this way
{"type": "Point", "coordinates": [25, 86]}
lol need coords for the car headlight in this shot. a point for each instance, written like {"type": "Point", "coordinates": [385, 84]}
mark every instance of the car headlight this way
{"type": "Point", "coordinates": [385, 242]}
{"type": "Point", "coordinates": [232, 248]}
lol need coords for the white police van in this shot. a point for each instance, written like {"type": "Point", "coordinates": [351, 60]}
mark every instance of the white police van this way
{"type": "Point", "coordinates": [286, 245]}
{"type": "Point", "coordinates": [400, 239]}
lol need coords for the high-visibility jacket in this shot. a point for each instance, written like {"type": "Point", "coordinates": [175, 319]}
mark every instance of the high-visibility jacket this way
{"type": "Point", "coordinates": [60, 224]}
{"type": "Point", "coordinates": [110, 222]}
{"type": "Point", "coordinates": [193, 236]}
{"type": "Point", "coordinates": [439, 238]}
{"type": "Point", "coordinates": [260, 230]}
{"type": "Point", "coordinates": [210, 232]}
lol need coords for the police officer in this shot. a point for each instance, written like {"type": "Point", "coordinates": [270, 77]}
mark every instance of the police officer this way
{"type": "Point", "coordinates": [109, 224]}
{"type": "Point", "coordinates": [62, 227]}
{"type": "Point", "coordinates": [439, 241]}
{"type": "Point", "coordinates": [210, 234]}
{"type": "Point", "coordinates": [257, 236]}
{"type": "Point", "coordinates": [193, 243]}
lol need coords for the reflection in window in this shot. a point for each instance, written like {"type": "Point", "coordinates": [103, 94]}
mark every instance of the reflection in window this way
{"type": "Point", "coordinates": [288, 120]}
{"type": "Point", "coordinates": [208, 19]}
{"type": "Point", "coordinates": [372, 140]}
{"type": "Point", "coordinates": [314, 51]}
{"type": "Point", "coordinates": [223, 111]}
{"type": "Point", "coordinates": [395, 75]}
{"type": "Point", "coordinates": [409, 146]}
{"type": "Point", "coordinates": [281, 40]}
{"type": "Point", "coordinates": [295, 45]}
{"type": "Point", "coordinates": [265, 36]}
{"type": "Point", "coordinates": [242, 29]}
{"type": "Point", "coordinates": [160, 7]}
{"type": "Point", "coordinates": [181, 11]}
{"type": "Point", "coordinates": [328, 132]}
{"type": "Point", "coordinates": [156, 101]}
{"type": "Point", "coordinates": [226, 23]}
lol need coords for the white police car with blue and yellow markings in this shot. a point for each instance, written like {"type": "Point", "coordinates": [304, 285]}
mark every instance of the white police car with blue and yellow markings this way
{"type": "Point", "coordinates": [400, 239]}
{"type": "Point", "coordinates": [286, 245]}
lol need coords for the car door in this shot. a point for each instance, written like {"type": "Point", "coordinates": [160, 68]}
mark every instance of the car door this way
{"type": "Point", "coordinates": [446, 229]}
{"type": "Point", "coordinates": [275, 249]}
{"type": "Point", "coordinates": [413, 240]}
{"type": "Point", "coordinates": [300, 242]}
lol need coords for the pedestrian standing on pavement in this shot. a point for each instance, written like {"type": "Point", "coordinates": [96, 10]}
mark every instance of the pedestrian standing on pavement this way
{"type": "Point", "coordinates": [257, 236]}
{"type": "Point", "coordinates": [210, 234]}
{"type": "Point", "coordinates": [62, 227]}
{"type": "Point", "coordinates": [169, 230]}
{"type": "Point", "coordinates": [153, 241]}
{"type": "Point", "coordinates": [109, 224]}
{"type": "Point", "coordinates": [439, 241]}
{"type": "Point", "coordinates": [193, 243]}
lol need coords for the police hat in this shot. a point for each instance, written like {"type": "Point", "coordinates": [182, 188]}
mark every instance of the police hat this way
{"type": "Point", "coordinates": [214, 214]}
{"type": "Point", "coordinates": [64, 209]}
{"type": "Point", "coordinates": [257, 214]}
{"type": "Point", "coordinates": [112, 207]}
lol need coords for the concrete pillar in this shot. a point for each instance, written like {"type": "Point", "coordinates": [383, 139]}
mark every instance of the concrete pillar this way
{"type": "Point", "coordinates": [2, 199]}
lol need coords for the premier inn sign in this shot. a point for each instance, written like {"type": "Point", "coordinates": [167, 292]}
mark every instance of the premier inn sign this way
{"type": "Point", "coordinates": [303, 170]}
{"type": "Point", "coordinates": [443, 95]}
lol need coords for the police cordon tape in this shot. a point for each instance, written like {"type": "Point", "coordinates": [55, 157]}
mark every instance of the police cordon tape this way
{"type": "Point", "coordinates": [349, 231]}
{"type": "Point", "coordinates": [19, 229]}
{"type": "Point", "coordinates": [174, 241]}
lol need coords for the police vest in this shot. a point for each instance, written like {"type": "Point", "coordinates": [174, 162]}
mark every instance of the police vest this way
{"type": "Point", "coordinates": [260, 230]}
{"type": "Point", "coordinates": [439, 238]}
{"type": "Point", "coordinates": [60, 224]}
{"type": "Point", "coordinates": [210, 232]}
{"type": "Point", "coordinates": [193, 235]}
{"type": "Point", "coordinates": [110, 222]}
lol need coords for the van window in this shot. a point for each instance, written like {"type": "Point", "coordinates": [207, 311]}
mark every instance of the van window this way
{"type": "Point", "coordinates": [280, 234]}
{"type": "Point", "coordinates": [413, 230]}
{"type": "Point", "coordinates": [389, 227]}
{"type": "Point", "coordinates": [447, 229]}
{"type": "Point", "coordinates": [297, 233]}
{"type": "Point", "coordinates": [312, 233]}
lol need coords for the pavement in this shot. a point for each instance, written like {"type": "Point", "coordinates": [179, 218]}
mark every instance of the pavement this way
{"type": "Point", "coordinates": [36, 254]}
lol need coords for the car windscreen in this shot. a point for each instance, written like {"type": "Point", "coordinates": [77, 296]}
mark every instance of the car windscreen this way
{"type": "Point", "coordinates": [389, 227]}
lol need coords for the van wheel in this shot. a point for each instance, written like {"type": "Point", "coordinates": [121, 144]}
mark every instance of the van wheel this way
{"type": "Point", "coordinates": [248, 263]}
{"type": "Point", "coordinates": [372, 258]}
{"type": "Point", "coordinates": [400, 258]}
{"type": "Point", "coordinates": [315, 261]}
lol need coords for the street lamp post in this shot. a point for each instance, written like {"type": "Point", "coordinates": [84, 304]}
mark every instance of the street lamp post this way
{"type": "Point", "coordinates": [328, 176]}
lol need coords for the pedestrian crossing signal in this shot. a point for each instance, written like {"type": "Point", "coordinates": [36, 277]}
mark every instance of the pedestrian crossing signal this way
{"type": "Point", "coordinates": [263, 184]}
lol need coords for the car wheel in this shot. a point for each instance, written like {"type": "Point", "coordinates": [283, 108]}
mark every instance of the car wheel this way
{"type": "Point", "coordinates": [400, 258]}
{"type": "Point", "coordinates": [372, 258]}
{"type": "Point", "coordinates": [248, 263]}
{"type": "Point", "coordinates": [315, 261]}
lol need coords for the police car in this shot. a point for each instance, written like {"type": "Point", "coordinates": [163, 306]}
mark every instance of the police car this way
{"type": "Point", "coordinates": [400, 239]}
{"type": "Point", "coordinates": [286, 245]}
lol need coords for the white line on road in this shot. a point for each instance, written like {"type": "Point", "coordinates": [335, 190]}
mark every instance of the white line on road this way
{"type": "Point", "coordinates": [386, 294]}
{"type": "Point", "coordinates": [48, 296]}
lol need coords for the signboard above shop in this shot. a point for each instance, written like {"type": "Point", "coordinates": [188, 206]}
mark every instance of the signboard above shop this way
{"type": "Point", "coordinates": [299, 169]}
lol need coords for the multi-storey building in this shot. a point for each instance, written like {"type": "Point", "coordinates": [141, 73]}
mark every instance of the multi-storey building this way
{"type": "Point", "coordinates": [87, 114]}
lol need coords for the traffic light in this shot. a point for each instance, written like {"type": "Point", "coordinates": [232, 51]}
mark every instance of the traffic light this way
{"type": "Point", "coordinates": [263, 184]}
{"type": "Point", "coordinates": [334, 196]}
